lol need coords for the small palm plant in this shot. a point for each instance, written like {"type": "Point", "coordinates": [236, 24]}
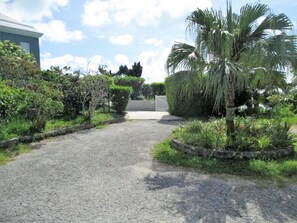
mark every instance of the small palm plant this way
{"type": "Point", "coordinates": [234, 51]}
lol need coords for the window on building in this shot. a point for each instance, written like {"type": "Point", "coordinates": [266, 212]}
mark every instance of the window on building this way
{"type": "Point", "coordinates": [25, 46]}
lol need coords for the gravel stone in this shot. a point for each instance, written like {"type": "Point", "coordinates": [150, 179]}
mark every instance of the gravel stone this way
{"type": "Point", "coordinates": [106, 175]}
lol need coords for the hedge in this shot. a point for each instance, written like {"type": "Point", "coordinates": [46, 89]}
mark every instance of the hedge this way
{"type": "Point", "coordinates": [185, 95]}
{"type": "Point", "coordinates": [158, 88]}
{"type": "Point", "coordinates": [120, 96]}
{"type": "Point", "coordinates": [134, 82]}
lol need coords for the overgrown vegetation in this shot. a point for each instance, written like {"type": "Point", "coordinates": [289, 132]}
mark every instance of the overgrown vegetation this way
{"type": "Point", "coordinates": [31, 100]}
{"type": "Point", "coordinates": [252, 134]}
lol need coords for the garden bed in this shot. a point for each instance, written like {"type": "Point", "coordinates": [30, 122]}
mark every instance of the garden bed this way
{"type": "Point", "coordinates": [57, 132]}
{"type": "Point", "coordinates": [228, 154]}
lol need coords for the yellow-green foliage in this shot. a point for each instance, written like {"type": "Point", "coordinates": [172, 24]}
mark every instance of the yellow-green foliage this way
{"type": "Point", "coordinates": [184, 91]}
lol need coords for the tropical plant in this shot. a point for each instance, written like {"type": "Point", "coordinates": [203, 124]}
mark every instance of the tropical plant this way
{"type": "Point", "coordinates": [235, 51]}
{"type": "Point", "coordinates": [252, 134]}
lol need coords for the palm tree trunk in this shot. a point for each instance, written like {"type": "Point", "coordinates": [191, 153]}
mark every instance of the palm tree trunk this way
{"type": "Point", "coordinates": [230, 113]}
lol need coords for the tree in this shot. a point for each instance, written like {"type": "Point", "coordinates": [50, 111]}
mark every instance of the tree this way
{"type": "Point", "coordinates": [136, 70]}
{"type": "Point", "coordinates": [235, 50]}
{"type": "Point", "coordinates": [93, 91]}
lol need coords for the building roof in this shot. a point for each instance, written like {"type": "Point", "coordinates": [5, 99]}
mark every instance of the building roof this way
{"type": "Point", "coordinates": [10, 25]}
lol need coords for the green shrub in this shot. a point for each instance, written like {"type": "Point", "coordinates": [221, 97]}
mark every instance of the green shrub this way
{"type": "Point", "coordinates": [185, 96]}
{"type": "Point", "coordinates": [8, 101]}
{"type": "Point", "coordinates": [209, 135]}
{"type": "Point", "coordinates": [251, 135]}
{"type": "Point", "coordinates": [130, 81]}
{"type": "Point", "coordinates": [93, 90]}
{"type": "Point", "coordinates": [158, 88]}
{"type": "Point", "coordinates": [14, 127]}
{"type": "Point", "coordinates": [147, 91]}
{"type": "Point", "coordinates": [24, 93]}
{"type": "Point", "coordinates": [16, 63]}
{"type": "Point", "coordinates": [120, 97]}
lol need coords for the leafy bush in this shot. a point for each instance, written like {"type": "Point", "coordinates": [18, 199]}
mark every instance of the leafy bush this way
{"type": "Point", "coordinates": [210, 135]}
{"type": "Point", "coordinates": [120, 97]}
{"type": "Point", "coordinates": [251, 135]}
{"type": "Point", "coordinates": [16, 63]}
{"type": "Point", "coordinates": [158, 88]}
{"type": "Point", "coordinates": [8, 101]}
{"type": "Point", "coordinates": [93, 91]}
{"type": "Point", "coordinates": [134, 82]}
{"type": "Point", "coordinates": [147, 91]}
{"type": "Point", "coordinates": [44, 101]}
{"type": "Point", "coordinates": [185, 96]}
{"type": "Point", "coordinates": [14, 127]}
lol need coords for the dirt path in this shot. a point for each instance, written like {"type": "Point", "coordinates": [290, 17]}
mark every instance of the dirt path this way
{"type": "Point", "coordinates": [107, 175]}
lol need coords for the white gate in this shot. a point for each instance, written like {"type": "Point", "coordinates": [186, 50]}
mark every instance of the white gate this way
{"type": "Point", "coordinates": [161, 103]}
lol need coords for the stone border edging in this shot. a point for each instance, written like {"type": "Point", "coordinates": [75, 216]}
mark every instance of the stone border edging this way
{"type": "Point", "coordinates": [225, 154]}
{"type": "Point", "coordinates": [58, 132]}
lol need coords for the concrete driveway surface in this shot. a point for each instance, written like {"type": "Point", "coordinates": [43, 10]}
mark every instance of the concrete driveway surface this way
{"type": "Point", "coordinates": [106, 175]}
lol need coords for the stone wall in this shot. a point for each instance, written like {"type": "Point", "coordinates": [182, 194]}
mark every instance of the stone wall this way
{"type": "Point", "coordinates": [58, 132]}
{"type": "Point", "coordinates": [226, 154]}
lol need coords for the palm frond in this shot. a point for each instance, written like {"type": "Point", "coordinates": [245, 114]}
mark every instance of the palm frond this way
{"type": "Point", "coordinates": [183, 57]}
{"type": "Point", "coordinates": [250, 14]}
{"type": "Point", "coordinates": [280, 50]}
{"type": "Point", "coordinates": [272, 22]}
{"type": "Point", "coordinates": [218, 81]}
{"type": "Point", "coordinates": [201, 21]}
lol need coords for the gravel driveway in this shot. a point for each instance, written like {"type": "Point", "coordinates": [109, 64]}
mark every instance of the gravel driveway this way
{"type": "Point", "coordinates": [106, 175]}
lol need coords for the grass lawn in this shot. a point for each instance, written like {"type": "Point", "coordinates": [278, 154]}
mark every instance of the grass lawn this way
{"type": "Point", "coordinates": [7, 155]}
{"type": "Point", "coordinates": [96, 118]}
{"type": "Point", "coordinates": [163, 152]}
{"type": "Point", "coordinates": [20, 127]}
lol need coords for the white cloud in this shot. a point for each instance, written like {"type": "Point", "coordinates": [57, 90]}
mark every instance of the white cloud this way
{"type": "Point", "coordinates": [56, 31]}
{"type": "Point", "coordinates": [153, 63]}
{"type": "Point", "coordinates": [31, 10]}
{"type": "Point", "coordinates": [153, 41]}
{"type": "Point", "coordinates": [75, 63]}
{"type": "Point", "coordinates": [121, 39]}
{"type": "Point", "coordinates": [99, 12]}
{"type": "Point", "coordinates": [96, 13]}
{"type": "Point", "coordinates": [122, 59]}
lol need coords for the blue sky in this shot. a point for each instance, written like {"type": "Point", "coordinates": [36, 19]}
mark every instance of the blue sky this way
{"type": "Point", "coordinates": [85, 33]}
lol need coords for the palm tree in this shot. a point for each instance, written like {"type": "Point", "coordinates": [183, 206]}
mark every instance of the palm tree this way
{"type": "Point", "coordinates": [234, 51]}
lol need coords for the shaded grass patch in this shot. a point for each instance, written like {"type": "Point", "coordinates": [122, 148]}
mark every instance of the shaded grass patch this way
{"type": "Point", "coordinates": [61, 123]}
{"type": "Point", "coordinates": [9, 154]}
{"type": "Point", "coordinates": [5, 158]}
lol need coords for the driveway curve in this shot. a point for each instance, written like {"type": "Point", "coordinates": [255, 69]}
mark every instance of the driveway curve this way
{"type": "Point", "coordinates": [106, 175]}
